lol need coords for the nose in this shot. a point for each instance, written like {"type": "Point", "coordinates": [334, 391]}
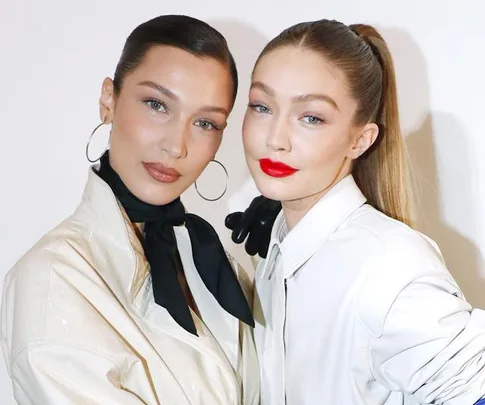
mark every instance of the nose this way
{"type": "Point", "coordinates": [175, 143]}
{"type": "Point", "coordinates": [278, 138]}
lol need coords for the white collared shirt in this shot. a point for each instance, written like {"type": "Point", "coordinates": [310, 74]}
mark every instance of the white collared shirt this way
{"type": "Point", "coordinates": [355, 308]}
{"type": "Point", "coordinates": [79, 323]}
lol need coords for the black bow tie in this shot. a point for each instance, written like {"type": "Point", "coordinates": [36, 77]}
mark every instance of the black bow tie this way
{"type": "Point", "coordinates": [161, 251]}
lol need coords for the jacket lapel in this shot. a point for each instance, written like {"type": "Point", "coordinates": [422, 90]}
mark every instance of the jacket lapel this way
{"type": "Point", "coordinates": [110, 245]}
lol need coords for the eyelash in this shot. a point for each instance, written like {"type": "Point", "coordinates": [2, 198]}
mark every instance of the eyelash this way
{"type": "Point", "coordinates": [317, 121]}
{"type": "Point", "coordinates": [257, 107]}
{"type": "Point", "coordinates": [262, 109]}
{"type": "Point", "coordinates": [151, 101]}
{"type": "Point", "coordinates": [214, 126]}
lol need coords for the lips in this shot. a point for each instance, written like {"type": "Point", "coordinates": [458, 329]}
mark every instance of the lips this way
{"type": "Point", "coordinates": [276, 169]}
{"type": "Point", "coordinates": [161, 173]}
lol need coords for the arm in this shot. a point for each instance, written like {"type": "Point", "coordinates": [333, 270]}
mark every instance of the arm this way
{"type": "Point", "coordinates": [432, 344]}
{"type": "Point", "coordinates": [62, 375]}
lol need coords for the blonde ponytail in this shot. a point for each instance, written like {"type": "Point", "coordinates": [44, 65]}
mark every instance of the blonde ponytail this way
{"type": "Point", "coordinates": [383, 173]}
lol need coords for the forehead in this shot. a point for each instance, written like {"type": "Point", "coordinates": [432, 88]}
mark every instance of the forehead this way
{"type": "Point", "coordinates": [294, 71]}
{"type": "Point", "coordinates": [202, 78]}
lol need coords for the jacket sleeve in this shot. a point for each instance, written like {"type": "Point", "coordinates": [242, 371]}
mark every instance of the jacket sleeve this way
{"type": "Point", "coordinates": [61, 375]}
{"type": "Point", "coordinates": [432, 344]}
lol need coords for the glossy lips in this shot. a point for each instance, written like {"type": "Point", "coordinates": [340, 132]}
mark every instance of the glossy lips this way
{"type": "Point", "coordinates": [161, 173]}
{"type": "Point", "coordinates": [276, 169]}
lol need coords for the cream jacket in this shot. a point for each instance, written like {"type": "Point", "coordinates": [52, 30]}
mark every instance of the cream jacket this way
{"type": "Point", "coordinates": [79, 324]}
{"type": "Point", "coordinates": [354, 308]}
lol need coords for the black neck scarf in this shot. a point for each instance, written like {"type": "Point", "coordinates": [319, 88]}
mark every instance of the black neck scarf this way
{"type": "Point", "coordinates": [161, 251]}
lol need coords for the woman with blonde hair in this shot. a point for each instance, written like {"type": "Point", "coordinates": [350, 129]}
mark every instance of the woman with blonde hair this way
{"type": "Point", "coordinates": [353, 306]}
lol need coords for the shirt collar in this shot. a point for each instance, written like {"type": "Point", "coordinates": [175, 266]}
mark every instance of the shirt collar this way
{"type": "Point", "coordinates": [321, 221]}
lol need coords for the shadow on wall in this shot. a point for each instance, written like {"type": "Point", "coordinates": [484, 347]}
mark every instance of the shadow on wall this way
{"type": "Point", "coordinates": [245, 43]}
{"type": "Point", "coordinates": [439, 149]}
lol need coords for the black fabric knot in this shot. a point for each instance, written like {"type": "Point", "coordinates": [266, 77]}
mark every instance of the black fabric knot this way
{"type": "Point", "coordinates": [160, 247]}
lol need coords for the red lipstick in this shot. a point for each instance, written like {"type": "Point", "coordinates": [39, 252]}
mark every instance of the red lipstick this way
{"type": "Point", "coordinates": [276, 169]}
{"type": "Point", "coordinates": [161, 173]}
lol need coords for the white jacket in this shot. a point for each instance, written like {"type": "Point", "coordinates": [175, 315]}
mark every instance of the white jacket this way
{"type": "Point", "coordinates": [79, 324]}
{"type": "Point", "coordinates": [355, 308]}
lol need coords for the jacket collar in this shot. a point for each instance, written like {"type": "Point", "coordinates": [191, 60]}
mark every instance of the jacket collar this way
{"type": "Point", "coordinates": [113, 249]}
{"type": "Point", "coordinates": [121, 258]}
{"type": "Point", "coordinates": [321, 221]}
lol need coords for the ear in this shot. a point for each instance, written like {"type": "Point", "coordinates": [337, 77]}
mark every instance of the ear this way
{"type": "Point", "coordinates": [365, 138]}
{"type": "Point", "coordinates": [107, 101]}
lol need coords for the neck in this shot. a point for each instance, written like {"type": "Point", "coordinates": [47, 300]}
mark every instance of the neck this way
{"type": "Point", "coordinates": [295, 210]}
{"type": "Point", "coordinates": [139, 228]}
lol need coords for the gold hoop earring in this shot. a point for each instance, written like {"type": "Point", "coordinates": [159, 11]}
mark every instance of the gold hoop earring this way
{"type": "Point", "coordinates": [89, 143]}
{"type": "Point", "coordinates": [225, 186]}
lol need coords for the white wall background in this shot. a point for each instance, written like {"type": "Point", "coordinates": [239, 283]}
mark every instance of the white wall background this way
{"type": "Point", "coordinates": [54, 55]}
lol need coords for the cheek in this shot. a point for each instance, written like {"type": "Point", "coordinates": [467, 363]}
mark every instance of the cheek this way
{"type": "Point", "coordinates": [251, 139]}
{"type": "Point", "coordinates": [320, 151]}
{"type": "Point", "coordinates": [201, 152]}
{"type": "Point", "coordinates": [131, 125]}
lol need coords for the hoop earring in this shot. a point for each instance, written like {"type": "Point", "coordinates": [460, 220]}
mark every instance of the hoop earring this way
{"type": "Point", "coordinates": [89, 143]}
{"type": "Point", "coordinates": [225, 187]}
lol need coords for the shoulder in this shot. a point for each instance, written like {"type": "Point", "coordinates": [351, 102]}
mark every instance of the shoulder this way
{"type": "Point", "coordinates": [33, 286]}
{"type": "Point", "coordinates": [34, 267]}
{"type": "Point", "coordinates": [399, 256]}
{"type": "Point", "coordinates": [391, 239]}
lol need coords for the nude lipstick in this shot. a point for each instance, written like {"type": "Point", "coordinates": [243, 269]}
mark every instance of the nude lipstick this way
{"type": "Point", "coordinates": [161, 173]}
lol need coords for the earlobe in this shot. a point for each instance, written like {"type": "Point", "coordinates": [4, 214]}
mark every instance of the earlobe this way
{"type": "Point", "coordinates": [107, 101]}
{"type": "Point", "coordinates": [364, 141]}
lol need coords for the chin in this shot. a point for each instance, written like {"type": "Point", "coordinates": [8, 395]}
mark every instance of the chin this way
{"type": "Point", "coordinates": [156, 194]}
{"type": "Point", "coordinates": [274, 188]}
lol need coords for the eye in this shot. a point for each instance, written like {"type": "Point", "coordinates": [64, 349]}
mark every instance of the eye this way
{"type": "Point", "coordinates": [259, 108]}
{"type": "Point", "coordinates": [206, 125]}
{"type": "Point", "coordinates": [155, 105]}
{"type": "Point", "coordinates": [312, 120]}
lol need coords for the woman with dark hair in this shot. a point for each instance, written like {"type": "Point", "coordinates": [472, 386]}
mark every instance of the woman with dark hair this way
{"type": "Point", "coordinates": [131, 300]}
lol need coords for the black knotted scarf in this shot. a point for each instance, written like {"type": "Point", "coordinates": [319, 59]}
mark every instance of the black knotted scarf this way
{"type": "Point", "coordinates": [161, 251]}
